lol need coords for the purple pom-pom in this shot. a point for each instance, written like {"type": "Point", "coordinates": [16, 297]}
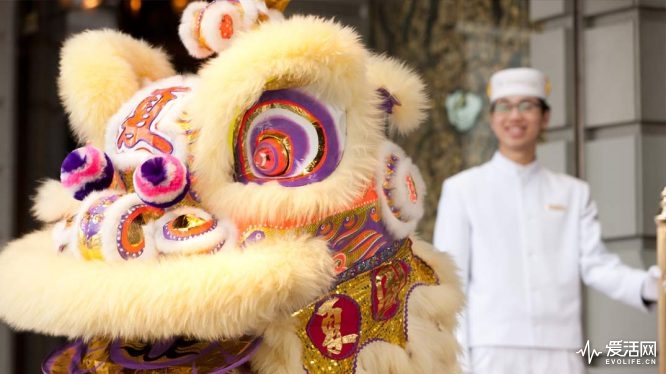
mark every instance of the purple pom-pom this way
{"type": "Point", "coordinates": [85, 170]}
{"type": "Point", "coordinates": [161, 181]}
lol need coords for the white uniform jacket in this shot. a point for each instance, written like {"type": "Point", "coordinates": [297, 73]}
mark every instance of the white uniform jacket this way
{"type": "Point", "coordinates": [523, 238]}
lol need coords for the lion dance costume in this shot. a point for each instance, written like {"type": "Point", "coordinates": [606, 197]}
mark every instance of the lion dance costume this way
{"type": "Point", "coordinates": [253, 217]}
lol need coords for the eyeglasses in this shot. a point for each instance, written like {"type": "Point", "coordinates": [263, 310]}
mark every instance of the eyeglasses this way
{"type": "Point", "coordinates": [523, 107]}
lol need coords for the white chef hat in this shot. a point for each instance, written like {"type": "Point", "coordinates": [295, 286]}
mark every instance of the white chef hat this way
{"type": "Point", "coordinates": [518, 82]}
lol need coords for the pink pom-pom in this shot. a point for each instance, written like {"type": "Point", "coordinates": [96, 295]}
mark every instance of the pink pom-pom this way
{"type": "Point", "coordinates": [85, 170]}
{"type": "Point", "coordinates": [161, 181]}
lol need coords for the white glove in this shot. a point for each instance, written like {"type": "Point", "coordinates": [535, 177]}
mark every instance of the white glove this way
{"type": "Point", "coordinates": [652, 285]}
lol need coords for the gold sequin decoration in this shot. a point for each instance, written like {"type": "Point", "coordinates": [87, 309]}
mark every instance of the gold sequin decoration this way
{"type": "Point", "coordinates": [392, 330]}
{"type": "Point", "coordinates": [91, 247]}
{"type": "Point", "coordinates": [187, 222]}
{"type": "Point", "coordinates": [135, 232]}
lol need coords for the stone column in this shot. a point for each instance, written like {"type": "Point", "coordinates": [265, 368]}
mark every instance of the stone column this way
{"type": "Point", "coordinates": [623, 97]}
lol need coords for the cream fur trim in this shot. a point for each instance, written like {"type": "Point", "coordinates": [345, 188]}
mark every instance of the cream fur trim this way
{"type": "Point", "coordinates": [53, 202]}
{"type": "Point", "coordinates": [383, 357]}
{"type": "Point", "coordinates": [100, 70]}
{"type": "Point", "coordinates": [432, 349]}
{"type": "Point", "coordinates": [298, 52]}
{"type": "Point", "coordinates": [281, 350]}
{"type": "Point", "coordinates": [406, 86]}
{"type": "Point", "coordinates": [441, 262]}
{"type": "Point", "coordinates": [433, 315]}
{"type": "Point", "coordinates": [206, 297]}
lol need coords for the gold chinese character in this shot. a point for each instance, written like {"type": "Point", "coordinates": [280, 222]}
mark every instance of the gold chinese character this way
{"type": "Point", "coordinates": [330, 325]}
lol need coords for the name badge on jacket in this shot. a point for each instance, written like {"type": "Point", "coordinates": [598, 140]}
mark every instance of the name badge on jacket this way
{"type": "Point", "coordinates": [556, 207]}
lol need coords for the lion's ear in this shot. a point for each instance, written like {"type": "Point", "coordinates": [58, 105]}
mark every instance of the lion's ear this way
{"type": "Point", "coordinates": [99, 71]}
{"type": "Point", "coordinates": [402, 93]}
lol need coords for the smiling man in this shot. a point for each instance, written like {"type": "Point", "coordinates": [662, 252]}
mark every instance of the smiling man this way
{"type": "Point", "coordinates": [523, 237]}
{"type": "Point", "coordinates": [518, 131]}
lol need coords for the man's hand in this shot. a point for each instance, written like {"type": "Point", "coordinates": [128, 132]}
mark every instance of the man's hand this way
{"type": "Point", "coordinates": [652, 285]}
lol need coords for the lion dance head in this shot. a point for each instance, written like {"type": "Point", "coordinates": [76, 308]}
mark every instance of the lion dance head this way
{"type": "Point", "coordinates": [252, 217]}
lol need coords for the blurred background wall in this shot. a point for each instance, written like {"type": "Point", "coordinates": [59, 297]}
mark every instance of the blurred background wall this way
{"type": "Point", "coordinates": [606, 60]}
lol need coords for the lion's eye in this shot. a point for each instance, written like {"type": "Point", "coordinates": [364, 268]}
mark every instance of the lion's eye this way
{"type": "Point", "coordinates": [290, 137]}
{"type": "Point", "coordinates": [272, 155]}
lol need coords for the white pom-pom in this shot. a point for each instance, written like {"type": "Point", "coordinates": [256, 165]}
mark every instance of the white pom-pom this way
{"type": "Point", "coordinates": [208, 28]}
{"type": "Point", "coordinates": [222, 21]}
{"type": "Point", "coordinates": [189, 30]}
